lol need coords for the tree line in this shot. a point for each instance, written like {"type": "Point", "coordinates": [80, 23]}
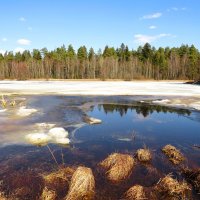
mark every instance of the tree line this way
{"type": "Point", "coordinates": [146, 62]}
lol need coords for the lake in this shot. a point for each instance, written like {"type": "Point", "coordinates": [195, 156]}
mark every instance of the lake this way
{"type": "Point", "coordinates": [128, 123]}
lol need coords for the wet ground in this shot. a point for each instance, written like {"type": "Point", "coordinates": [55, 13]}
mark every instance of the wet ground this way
{"type": "Point", "coordinates": [128, 123]}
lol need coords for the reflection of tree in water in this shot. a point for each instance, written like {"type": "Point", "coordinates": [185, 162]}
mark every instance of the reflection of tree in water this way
{"type": "Point", "coordinates": [141, 108]}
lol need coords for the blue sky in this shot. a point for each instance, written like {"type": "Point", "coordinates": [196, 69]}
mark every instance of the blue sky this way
{"type": "Point", "coordinates": [28, 24]}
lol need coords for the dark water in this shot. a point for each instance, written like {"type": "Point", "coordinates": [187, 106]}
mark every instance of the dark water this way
{"type": "Point", "coordinates": [126, 126]}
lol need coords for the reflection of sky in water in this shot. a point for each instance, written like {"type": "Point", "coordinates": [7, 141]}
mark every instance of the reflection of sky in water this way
{"type": "Point", "coordinates": [161, 127]}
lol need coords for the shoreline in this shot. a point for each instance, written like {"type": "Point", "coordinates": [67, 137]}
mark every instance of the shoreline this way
{"type": "Point", "coordinates": [98, 80]}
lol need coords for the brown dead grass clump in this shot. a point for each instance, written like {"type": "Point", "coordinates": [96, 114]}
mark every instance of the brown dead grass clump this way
{"type": "Point", "coordinates": [135, 193]}
{"type": "Point", "coordinates": [59, 181]}
{"type": "Point", "coordinates": [48, 194]}
{"type": "Point", "coordinates": [2, 197]}
{"type": "Point", "coordinates": [144, 155]}
{"type": "Point", "coordinates": [118, 166]}
{"type": "Point", "coordinates": [174, 155]}
{"type": "Point", "coordinates": [82, 185]}
{"type": "Point", "coordinates": [193, 177]}
{"type": "Point", "coordinates": [169, 187]}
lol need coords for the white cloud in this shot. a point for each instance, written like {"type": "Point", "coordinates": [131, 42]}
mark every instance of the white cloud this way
{"type": "Point", "coordinates": [152, 16]}
{"type": "Point", "coordinates": [22, 19]}
{"type": "Point", "coordinates": [2, 51]}
{"type": "Point", "coordinates": [4, 39]}
{"type": "Point", "coordinates": [142, 39]}
{"type": "Point", "coordinates": [23, 41]}
{"type": "Point", "coordinates": [19, 49]}
{"type": "Point", "coordinates": [152, 27]}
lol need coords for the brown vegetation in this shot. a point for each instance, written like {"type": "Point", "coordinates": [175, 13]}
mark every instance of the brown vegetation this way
{"type": "Point", "coordinates": [144, 155]}
{"type": "Point", "coordinates": [2, 197]}
{"type": "Point", "coordinates": [193, 177]}
{"type": "Point", "coordinates": [118, 166]}
{"type": "Point", "coordinates": [82, 185]}
{"type": "Point", "coordinates": [135, 193]}
{"type": "Point", "coordinates": [26, 185]}
{"type": "Point", "coordinates": [58, 182]}
{"type": "Point", "coordinates": [48, 194]}
{"type": "Point", "coordinates": [169, 187]}
{"type": "Point", "coordinates": [174, 155]}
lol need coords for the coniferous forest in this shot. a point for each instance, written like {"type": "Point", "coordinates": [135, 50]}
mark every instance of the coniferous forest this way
{"type": "Point", "coordinates": [146, 62]}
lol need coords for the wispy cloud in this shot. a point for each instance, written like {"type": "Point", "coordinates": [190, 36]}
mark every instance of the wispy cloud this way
{"type": "Point", "coordinates": [152, 27]}
{"type": "Point", "coordinates": [22, 19]}
{"type": "Point", "coordinates": [19, 49]}
{"type": "Point", "coordinates": [4, 39]}
{"type": "Point", "coordinates": [176, 9]}
{"type": "Point", "coordinates": [24, 41]}
{"type": "Point", "coordinates": [152, 16]}
{"type": "Point", "coordinates": [142, 39]}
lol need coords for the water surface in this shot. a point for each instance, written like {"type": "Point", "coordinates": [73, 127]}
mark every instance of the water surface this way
{"type": "Point", "coordinates": [127, 124]}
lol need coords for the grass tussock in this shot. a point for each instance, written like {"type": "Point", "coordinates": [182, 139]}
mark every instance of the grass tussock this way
{"type": "Point", "coordinates": [58, 181]}
{"type": "Point", "coordinates": [193, 177]}
{"type": "Point", "coordinates": [82, 185]}
{"type": "Point", "coordinates": [170, 188]}
{"type": "Point", "coordinates": [118, 166]}
{"type": "Point", "coordinates": [144, 155]}
{"type": "Point", "coordinates": [174, 155]}
{"type": "Point", "coordinates": [2, 197]}
{"type": "Point", "coordinates": [48, 194]}
{"type": "Point", "coordinates": [135, 193]}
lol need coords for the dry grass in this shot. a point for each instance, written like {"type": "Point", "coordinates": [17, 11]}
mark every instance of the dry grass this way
{"type": "Point", "coordinates": [26, 185]}
{"type": "Point", "coordinates": [82, 185]}
{"type": "Point", "coordinates": [144, 155]}
{"type": "Point", "coordinates": [135, 193]}
{"type": "Point", "coordinates": [171, 188]}
{"type": "Point", "coordinates": [48, 194]}
{"type": "Point", "coordinates": [59, 181]}
{"type": "Point", "coordinates": [193, 177]}
{"type": "Point", "coordinates": [2, 197]}
{"type": "Point", "coordinates": [174, 155]}
{"type": "Point", "coordinates": [118, 166]}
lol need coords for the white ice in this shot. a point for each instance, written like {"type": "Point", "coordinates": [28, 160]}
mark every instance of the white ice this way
{"type": "Point", "coordinates": [24, 112]}
{"type": "Point", "coordinates": [168, 89]}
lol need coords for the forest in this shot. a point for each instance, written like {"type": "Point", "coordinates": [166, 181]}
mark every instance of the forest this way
{"type": "Point", "coordinates": [146, 62]}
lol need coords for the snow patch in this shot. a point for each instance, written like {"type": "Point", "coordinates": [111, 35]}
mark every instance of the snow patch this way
{"type": "Point", "coordinates": [58, 132]}
{"type": "Point", "coordinates": [38, 139]}
{"type": "Point", "coordinates": [195, 105]}
{"type": "Point", "coordinates": [45, 125]}
{"type": "Point", "coordinates": [24, 112]}
{"type": "Point", "coordinates": [162, 101]}
{"type": "Point", "coordinates": [62, 141]}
